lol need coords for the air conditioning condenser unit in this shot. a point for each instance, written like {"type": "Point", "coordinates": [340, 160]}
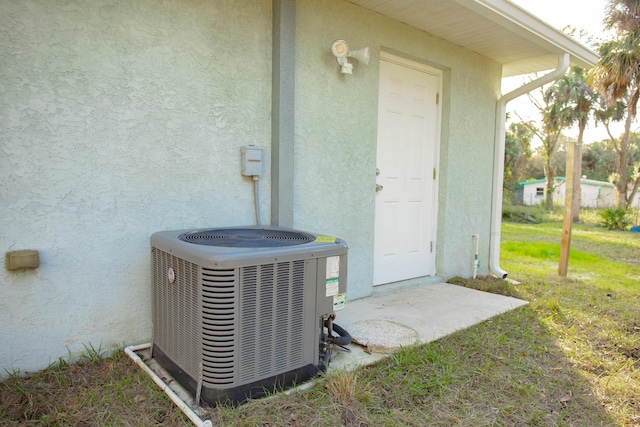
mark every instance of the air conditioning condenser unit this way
{"type": "Point", "coordinates": [241, 311]}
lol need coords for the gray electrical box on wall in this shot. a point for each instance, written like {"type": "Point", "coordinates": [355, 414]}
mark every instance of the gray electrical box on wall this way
{"type": "Point", "coordinates": [251, 161]}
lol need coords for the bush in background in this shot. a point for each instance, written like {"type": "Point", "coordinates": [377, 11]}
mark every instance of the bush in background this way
{"type": "Point", "coordinates": [530, 214]}
{"type": "Point", "coordinates": [615, 219]}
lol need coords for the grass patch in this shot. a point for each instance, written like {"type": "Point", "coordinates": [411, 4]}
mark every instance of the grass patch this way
{"type": "Point", "coordinates": [569, 358]}
{"type": "Point", "coordinates": [594, 314]}
{"type": "Point", "coordinates": [93, 392]}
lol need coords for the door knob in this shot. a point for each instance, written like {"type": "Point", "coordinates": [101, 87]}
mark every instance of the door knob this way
{"type": "Point", "coordinates": [379, 188]}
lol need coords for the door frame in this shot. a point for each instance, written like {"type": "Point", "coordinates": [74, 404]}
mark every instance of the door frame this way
{"type": "Point", "coordinates": [439, 74]}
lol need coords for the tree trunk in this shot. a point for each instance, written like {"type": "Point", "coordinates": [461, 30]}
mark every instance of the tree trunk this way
{"type": "Point", "coordinates": [634, 190]}
{"type": "Point", "coordinates": [550, 175]}
{"type": "Point", "coordinates": [548, 191]}
{"type": "Point", "coordinates": [623, 154]}
{"type": "Point", "coordinates": [621, 170]}
{"type": "Point", "coordinates": [577, 173]}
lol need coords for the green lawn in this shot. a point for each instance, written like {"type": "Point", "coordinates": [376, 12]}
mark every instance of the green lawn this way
{"type": "Point", "coordinates": [569, 358]}
{"type": "Point", "coordinates": [594, 314]}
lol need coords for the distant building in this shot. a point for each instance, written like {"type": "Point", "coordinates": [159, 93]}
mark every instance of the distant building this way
{"type": "Point", "coordinates": [593, 194]}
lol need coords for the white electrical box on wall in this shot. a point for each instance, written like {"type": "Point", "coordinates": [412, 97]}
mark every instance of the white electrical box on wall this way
{"type": "Point", "coordinates": [251, 161]}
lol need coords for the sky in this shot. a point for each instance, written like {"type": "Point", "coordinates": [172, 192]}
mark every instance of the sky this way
{"type": "Point", "coordinates": [585, 14]}
{"type": "Point", "coordinates": [582, 14]}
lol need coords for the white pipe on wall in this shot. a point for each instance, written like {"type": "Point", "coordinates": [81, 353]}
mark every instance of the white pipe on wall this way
{"type": "Point", "coordinates": [195, 419]}
{"type": "Point", "coordinates": [498, 160]}
{"type": "Point", "coordinates": [476, 260]}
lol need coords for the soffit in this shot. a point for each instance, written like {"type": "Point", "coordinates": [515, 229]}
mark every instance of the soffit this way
{"type": "Point", "coordinates": [498, 29]}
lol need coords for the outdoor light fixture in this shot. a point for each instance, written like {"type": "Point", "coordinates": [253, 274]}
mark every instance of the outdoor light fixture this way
{"type": "Point", "coordinates": [340, 50]}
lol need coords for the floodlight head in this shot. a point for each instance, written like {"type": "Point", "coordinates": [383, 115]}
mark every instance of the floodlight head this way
{"type": "Point", "coordinates": [340, 48]}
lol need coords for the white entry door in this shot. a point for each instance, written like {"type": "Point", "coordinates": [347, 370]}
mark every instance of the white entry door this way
{"type": "Point", "coordinates": [407, 150]}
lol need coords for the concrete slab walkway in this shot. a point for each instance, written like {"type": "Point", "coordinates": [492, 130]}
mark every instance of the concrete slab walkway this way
{"type": "Point", "coordinates": [432, 311]}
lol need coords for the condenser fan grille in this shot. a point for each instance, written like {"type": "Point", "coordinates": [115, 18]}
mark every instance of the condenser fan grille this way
{"type": "Point", "coordinates": [247, 238]}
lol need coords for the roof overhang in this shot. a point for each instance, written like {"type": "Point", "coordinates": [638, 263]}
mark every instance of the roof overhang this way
{"type": "Point", "coordinates": [497, 29]}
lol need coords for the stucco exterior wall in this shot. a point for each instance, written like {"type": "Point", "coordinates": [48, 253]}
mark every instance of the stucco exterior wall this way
{"type": "Point", "coordinates": [336, 131]}
{"type": "Point", "coordinates": [122, 118]}
{"type": "Point", "coordinates": [118, 118]}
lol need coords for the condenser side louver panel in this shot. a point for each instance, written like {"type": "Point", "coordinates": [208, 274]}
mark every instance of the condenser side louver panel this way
{"type": "Point", "coordinates": [177, 318]}
{"type": "Point", "coordinates": [235, 325]}
{"type": "Point", "coordinates": [271, 319]}
{"type": "Point", "coordinates": [219, 319]}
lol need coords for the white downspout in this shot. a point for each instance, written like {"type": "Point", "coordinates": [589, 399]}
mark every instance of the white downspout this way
{"type": "Point", "coordinates": [498, 160]}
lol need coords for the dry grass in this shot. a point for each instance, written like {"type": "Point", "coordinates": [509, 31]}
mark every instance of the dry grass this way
{"type": "Point", "coordinates": [93, 392]}
{"type": "Point", "coordinates": [348, 386]}
{"type": "Point", "coordinates": [570, 358]}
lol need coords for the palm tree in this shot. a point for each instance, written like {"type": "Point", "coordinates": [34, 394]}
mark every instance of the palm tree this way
{"type": "Point", "coordinates": [555, 118]}
{"type": "Point", "coordinates": [606, 114]}
{"type": "Point", "coordinates": [572, 96]}
{"type": "Point", "coordinates": [576, 100]}
{"type": "Point", "coordinates": [517, 152]}
{"type": "Point", "coordinates": [617, 77]}
{"type": "Point", "coordinates": [572, 99]}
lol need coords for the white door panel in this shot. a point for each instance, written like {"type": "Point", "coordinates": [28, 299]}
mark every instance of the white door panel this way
{"type": "Point", "coordinates": [408, 127]}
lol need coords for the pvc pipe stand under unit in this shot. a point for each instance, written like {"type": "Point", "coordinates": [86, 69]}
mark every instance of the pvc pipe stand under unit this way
{"type": "Point", "coordinates": [195, 419]}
